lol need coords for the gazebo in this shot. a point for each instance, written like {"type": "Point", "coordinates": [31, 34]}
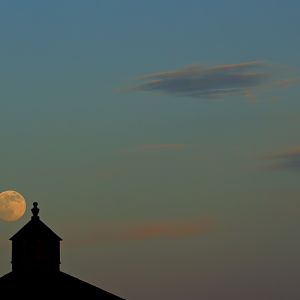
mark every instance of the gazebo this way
{"type": "Point", "coordinates": [36, 267]}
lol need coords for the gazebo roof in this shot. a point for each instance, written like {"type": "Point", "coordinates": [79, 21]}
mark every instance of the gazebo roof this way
{"type": "Point", "coordinates": [35, 228]}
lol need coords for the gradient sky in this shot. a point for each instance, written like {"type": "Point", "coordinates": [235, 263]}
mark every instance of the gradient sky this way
{"type": "Point", "coordinates": [178, 185]}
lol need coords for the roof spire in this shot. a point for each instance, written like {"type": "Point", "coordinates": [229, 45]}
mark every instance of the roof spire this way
{"type": "Point", "coordinates": [35, 211]}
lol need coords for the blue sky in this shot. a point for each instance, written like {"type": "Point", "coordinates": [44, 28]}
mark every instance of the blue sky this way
{"type": "Point", "coordinates": [153, 191]}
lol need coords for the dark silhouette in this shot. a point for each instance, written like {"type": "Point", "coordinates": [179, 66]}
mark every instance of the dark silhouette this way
{"type": "Point", "coordinates": [35, 268]}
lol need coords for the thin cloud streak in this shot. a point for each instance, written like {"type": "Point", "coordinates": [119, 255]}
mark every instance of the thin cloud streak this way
{"type": "Point", "coordinates": [286, 160]}
{"type": "Point", "coordinates": [112, 232]}
{"type": "Point", "coordinates": [216, 81]}
{"type": "Point", "coordinates": [154, 147]}
{"type": "Point", "coordinates": [166, 230]}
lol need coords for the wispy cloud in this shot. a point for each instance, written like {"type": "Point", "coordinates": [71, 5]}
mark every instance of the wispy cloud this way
{"type": "Point", "coordinates": [286, 160]}
{"type": "Point", "coordinates": [218, 81]}
{"type": "Point", "coordinates": [107, 232]}
{"type": "Point", "coordinates": [153, 147]}
{"type": "Point", "coordinates": [167, 230]}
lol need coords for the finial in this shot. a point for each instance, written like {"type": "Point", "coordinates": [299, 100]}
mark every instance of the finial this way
{"type": "Point", "coordinates": [35, 211]}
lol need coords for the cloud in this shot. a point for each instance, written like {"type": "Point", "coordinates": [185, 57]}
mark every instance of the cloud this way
{"type": "Point", "coordinates": [166, 230]}
{"type": "Point", "coordinates": [286, 160]}
{"type": "Point", "coordinates": [285, 83]}
{"type": "Point", "coordinates": [154, 147]}
{"type": "Point", "coordinates": [218, 81]}
{"type": "Point", "coordinates": [106, 232]}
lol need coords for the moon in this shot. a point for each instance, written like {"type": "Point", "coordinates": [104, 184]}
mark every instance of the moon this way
{"type": "Point", "coordinates": [12, 206]}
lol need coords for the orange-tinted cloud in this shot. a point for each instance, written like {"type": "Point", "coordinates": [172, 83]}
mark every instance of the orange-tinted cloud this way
{"type": "Point", "coordinates": [285, 83]}
{"type": "Point", "coordinates": [129, 231]}
{"type": "Point", "coordinates": [286, 160]}
{"type": "Point", "coordinates": [163, 146]}
{"type": "Point", "coordinates": [166, 230]}
{"type": "Point", "coordinates": [218, 81]}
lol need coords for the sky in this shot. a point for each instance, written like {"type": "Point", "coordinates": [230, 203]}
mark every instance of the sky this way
{"type": "Point", "coordinates": [161, 141]}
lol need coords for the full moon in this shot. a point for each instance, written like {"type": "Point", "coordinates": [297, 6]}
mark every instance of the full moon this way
{"type": "Point", "coordinates": [12, 206]}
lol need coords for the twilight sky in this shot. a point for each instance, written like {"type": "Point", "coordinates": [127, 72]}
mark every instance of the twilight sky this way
{"type": "Point", "coordinates": [161, 140]}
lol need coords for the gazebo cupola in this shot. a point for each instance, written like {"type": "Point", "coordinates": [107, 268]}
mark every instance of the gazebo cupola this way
{"type": "Point", "coordinates": [35, 247]}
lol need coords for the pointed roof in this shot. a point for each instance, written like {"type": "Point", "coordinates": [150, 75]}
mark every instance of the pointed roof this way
{"type": "Point", "coordinates": [54, 286]}
{"type": "Point", "coordinates": [35, 228]}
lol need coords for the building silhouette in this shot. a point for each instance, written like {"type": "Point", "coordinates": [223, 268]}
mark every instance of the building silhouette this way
{"type": "Point", "coordinates": [36, 268]}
